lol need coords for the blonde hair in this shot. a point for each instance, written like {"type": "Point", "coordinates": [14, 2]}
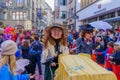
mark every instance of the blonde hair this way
{"type": "Point", "coordinates": [9, 60]}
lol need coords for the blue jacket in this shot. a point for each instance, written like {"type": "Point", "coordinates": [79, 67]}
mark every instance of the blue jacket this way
{"type": "Point", "coordinates": [5, 74]}
{"type": "Point", "coordinates": [36, 46]}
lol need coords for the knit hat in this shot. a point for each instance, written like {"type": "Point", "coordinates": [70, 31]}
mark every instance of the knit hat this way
{"type": "Point", "coordinates": [8, 47]}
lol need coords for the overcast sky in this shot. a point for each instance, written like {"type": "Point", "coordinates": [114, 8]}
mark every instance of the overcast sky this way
{"type": "Point", "coordinates": [51, 3]}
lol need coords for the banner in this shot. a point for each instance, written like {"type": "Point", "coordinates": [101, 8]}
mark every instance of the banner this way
{"type": "Point", "coordinates": [39, 13]}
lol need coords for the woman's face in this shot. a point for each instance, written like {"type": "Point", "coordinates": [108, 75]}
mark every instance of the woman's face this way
{"type": "Point", "coordinates": [88, 36]}
{"type": "Point", "coordinates": [56, 33]}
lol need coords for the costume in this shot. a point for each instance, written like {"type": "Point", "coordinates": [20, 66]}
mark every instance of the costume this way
{"type": "Point", "coordinates": [48, 57]}
{"type": "Point", "coordinates": [84, 45]}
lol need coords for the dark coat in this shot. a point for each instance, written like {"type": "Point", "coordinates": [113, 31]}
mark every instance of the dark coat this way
{"type": "Point", "coordinates": [116, 58]}
{"type": "Point", "coordinates": [83, 47]}
{"type": "Point", "coordinates": [25, 51]}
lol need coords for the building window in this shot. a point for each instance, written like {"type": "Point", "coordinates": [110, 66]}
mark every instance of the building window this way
{"type": "Point", "coordinates": [19, 16]}
{"type": "Point", "coordinates": [25, 16]}
{"type": "Point", "coordinates": [85, 3]}
{"type": "Point", "coordinates": [68, 14]}
{"type": "Point", "coordinates": [63, 14]}
{"type": "Point", "coordinates": [19, 3]}
{"type": "Point", "coordinates": [63, 2]}
{"type": "Point", "coordinates": [92, 19]}
{"type": "Point", "coordinates": [107, 16]}
{"type": "Point", "coordinates": [8, 2]}
{"type": "Point", "coordinates": [119, 13]}
{"type": "Point", "coordinates": [71, 11]}
{"type": "Point", "coordinates": [13, 15]}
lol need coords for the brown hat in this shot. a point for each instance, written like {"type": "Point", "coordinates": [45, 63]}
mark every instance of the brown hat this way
{"type": "Point", "coordinates": [8, 47]}
{"type": "Point", "coordinates": [55, 25]}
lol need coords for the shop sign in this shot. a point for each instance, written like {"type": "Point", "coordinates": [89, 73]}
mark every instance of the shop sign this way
{"type": "Point", "coordinates": [100, 11]}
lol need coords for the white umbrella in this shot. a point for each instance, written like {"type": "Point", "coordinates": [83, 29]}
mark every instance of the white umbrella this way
{"type": "Point", "coordinates": [20, 65]}
{"type": "Point", "coordinates": [101, 25]}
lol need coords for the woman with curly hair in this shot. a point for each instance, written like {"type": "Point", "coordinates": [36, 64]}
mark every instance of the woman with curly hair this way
{"type": "Point", "coordinates": [55, 43]}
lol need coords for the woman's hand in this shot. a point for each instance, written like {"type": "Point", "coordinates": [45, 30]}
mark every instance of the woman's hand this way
{"type": "Point", "coordinates": [32, 76]}
{"type": "Point", "coordinates": [53, 64]}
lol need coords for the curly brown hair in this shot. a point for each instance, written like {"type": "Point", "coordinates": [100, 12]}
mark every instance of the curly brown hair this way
{"type": "Point", "coordinates": [47, 37]}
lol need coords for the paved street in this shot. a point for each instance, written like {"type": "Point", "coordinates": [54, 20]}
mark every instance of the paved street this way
{"type": "Point", "coordinates": [37, 74]}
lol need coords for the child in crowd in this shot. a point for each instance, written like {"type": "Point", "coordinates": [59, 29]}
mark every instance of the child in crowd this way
{"type": "Point", "coordinates": [99, 47]}
{"type": "Point", "coordinates": [107, 53]}
{"type": "Point", "coordinates": [8, 62]}
{"type": "Point", "coordinates": [115, 59]}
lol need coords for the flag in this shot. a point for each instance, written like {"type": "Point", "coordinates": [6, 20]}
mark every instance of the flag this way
{"type": "Point", "coordinates": [39, 13]}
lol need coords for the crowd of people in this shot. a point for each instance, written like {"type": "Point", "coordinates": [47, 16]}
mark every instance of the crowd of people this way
{"type": "Point", "coordinates": [44, 48]}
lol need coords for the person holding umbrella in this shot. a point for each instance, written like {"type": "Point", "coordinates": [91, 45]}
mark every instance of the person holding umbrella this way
{"type": "Point", "coordinates": [55, 43]}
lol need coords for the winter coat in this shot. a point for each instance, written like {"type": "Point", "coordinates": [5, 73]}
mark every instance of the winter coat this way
{"type": "Point", "coordinates": [50, 52]}
{"type": "Point", "coordinates": [25, 51]}
{"type": "Point", "coordinates": [116, 58]}
{"type": "Point", "coordinates": [109, 51]}
{"type": "Point", "coordinates": [47, 57]}
{"type": "Point", "coordinates": [83, 47]}
{"type": "Point", "coordinates": [99, 49]}
{"type": "Point", "coordinates": [5, 74]}
{"type": "Point", "coordinates": [36, 46]}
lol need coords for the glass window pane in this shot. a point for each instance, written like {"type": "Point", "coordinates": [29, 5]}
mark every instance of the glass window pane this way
{"type": "Point", "coordinates": [63, 2]}
{"type": "Point", "coordinates": [63, 14]}
{"type": "Point", "coordinates": [8, 2]}
{"type": "Point", "coordinates": [118, 13]}
{"type": "Point", "coordinates": [19, 3]}
{"type": "Point", "coordinates": [13, 16]}
{"type": "Point", "coordinates": [25, 16]}
{"type": "Point", "coordinates": [17, 15]}
{"type": "Point", "coordinates": [21, 15]}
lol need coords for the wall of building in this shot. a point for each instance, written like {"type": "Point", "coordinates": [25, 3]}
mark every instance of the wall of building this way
{"type": "Point", "coordinates": [49, 14]}
{"type": "Point", "coordinates": [78, 7]}
{"type": "Point", "coordinates": [27, 23]}
{"type": "Point", "coordinates": [19, 15]}
{"type": "Point", "coordinates": [71, 13]}
{"type": "Point", "coordinates": [100, 8]}
{"type": "Point", "coordinates": [1, 13]}
{"type": "Point", "coordinates": [94, 9]}
{"type": "Point", "coordinates": [58, 15]}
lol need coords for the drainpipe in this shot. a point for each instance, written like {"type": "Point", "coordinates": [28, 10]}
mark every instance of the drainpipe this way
{"type": "Point", "coordinates": [75, 14]}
